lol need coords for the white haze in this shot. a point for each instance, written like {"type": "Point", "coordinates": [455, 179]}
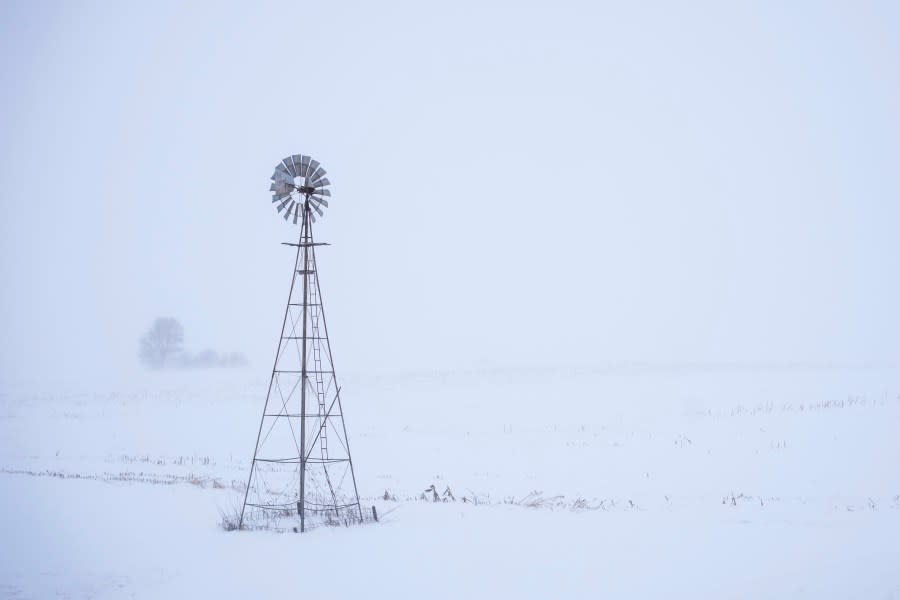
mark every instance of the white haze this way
{"type": "Point", "coordinates": [514, 184]}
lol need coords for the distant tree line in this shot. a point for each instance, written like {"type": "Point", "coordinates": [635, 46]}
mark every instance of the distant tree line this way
{"type": "Point", "coordinates": [162, 346]}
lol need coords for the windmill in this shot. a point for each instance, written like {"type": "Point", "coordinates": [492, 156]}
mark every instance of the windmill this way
{"type": "Point", "coordinates": [301, 462]}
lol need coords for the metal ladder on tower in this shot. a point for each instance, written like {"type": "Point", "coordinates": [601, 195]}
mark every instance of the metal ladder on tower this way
{"type": "Point", "coordinates": [315, 306]}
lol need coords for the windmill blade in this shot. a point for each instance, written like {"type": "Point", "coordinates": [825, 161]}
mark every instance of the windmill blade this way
{"type": "Point", "coordinates": [313, 217]}
{"type": "Point", "coordinates": [317, 209]}
{"type": "Point", "coordinates": [279, 197]}
{"type": "Point", "coordinates": [296, 212]}
{"type": "Point", "coordinates": [287, 213]}
{"type": "Point", "coordinates": [321, 201]}
{"type": "Point", "coordinates": [322, 192]}
{"type": "Point", "coordinates": [311, 168]}
{"type": "Point", "coordinates": [288, 165]}
{"type": "Point", "coordinates": [281, 175]}
{"type": "Point", "coordinates": [304, 165]}
{"type": "Point", "coordinates": [315, 176]}
{"type": "Point", "coordinates": [281, 188]}
{"type": "Point", "coordinates": [283, 204]}
{"type": "Point", "coordinates": [297, 164]}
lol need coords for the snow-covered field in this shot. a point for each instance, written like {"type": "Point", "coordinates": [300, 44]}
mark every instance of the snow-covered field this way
{"type": "Point", "coordinates": [618, 481]}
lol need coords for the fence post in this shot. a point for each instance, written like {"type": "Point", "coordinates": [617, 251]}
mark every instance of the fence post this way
{"type": "Point", "coordinates": [374, 514]}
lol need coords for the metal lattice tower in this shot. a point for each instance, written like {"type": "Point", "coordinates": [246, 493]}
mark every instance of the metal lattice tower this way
{"type": "Point", "coordinates": [301, 462]}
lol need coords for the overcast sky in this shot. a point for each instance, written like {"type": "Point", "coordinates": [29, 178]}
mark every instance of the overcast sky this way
{"type": "Point", "coordinates": [515, 184]}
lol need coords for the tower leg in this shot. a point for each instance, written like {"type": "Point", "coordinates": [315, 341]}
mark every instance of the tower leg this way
{"type": "Point", "coordinates": [303, 369]}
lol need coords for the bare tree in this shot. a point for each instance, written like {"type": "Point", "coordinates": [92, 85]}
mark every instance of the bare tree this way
{"type": "Point", "coordinates": [161, 342]}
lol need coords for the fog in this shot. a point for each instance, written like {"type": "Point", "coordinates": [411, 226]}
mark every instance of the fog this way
{"type": "Point", "coordinates": [514, 185]}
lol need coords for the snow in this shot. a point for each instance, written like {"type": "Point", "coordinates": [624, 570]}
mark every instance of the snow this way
{"type": "Point", "coordinates": [625, 480]}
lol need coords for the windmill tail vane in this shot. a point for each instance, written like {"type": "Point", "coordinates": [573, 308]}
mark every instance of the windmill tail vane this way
{"type": "Point", "coordinates": [302, 473]}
